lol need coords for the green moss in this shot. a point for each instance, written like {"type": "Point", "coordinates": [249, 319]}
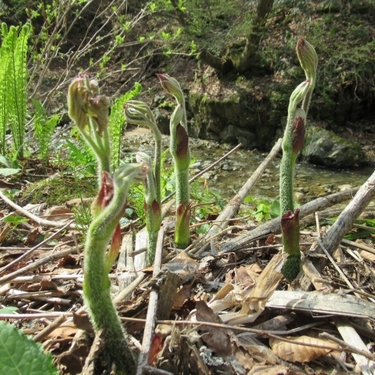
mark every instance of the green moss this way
{"type": "Point", "coordinates": [57, 191]}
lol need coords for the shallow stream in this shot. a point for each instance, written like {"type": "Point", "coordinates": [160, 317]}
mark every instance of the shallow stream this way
{"type": "Point", "coordinates": [229, 175]}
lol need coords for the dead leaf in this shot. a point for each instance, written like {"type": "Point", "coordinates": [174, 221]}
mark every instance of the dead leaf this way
{"type": "Point", "coordinates": [60, 336]}
{"type": "Point", "coordinates": [242, 276]}
{"type": "Point", "coordinates": [216, 339]}
{"type": "Point", "coordinates": [32, 236]}
{"type": "Point", "coordinates": [243, 360]}
{"type": "Point", "coordinates": [81, 320]}
{"type": "Point", "coordinates": [254, 303]}
{"type": "Point", "coordinates": [271, 239]}
{"type": "Point", "coordinates": [58, 213]}
{"type": "Point", "coordinates": [76, 202]}
{"type": "Point", "coordinates": [183, 294]}
{"type": "Point", "coordinates": [367, 255]}
{"type": "Point", "coordinates": [271, 370]}
{"type": "Point", "coordinates": [4, 232]}
{"type": "Point", "coordinates": [264, 288]}
{"type": "Point", "coordinates": [297, 352]}
{"type": "Point", "coordinates": [167, 294]}
{"type": "Point", "coordinates": [182, 265]}
{"type": "Point", "coordinates": [223, 292]}
{"type": "Point", "coordinates": [67, 261]}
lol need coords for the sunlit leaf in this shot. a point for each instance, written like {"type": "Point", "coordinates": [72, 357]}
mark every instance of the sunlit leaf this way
{"type": "Point", "coordinates": [21, 355]}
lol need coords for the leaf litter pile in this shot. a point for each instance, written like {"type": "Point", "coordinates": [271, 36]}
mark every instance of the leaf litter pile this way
{"type": "Point", "coordinates": [219, 307]}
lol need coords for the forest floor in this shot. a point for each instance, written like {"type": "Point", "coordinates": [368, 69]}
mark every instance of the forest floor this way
{"type": "Point", "coordinates": [223, 304]}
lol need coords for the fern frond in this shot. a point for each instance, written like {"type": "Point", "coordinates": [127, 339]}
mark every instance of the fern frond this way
{"type": "Point", "coordinates": [4, 60]}
{"type": "Point", "coordinates": [43, 128]}
{"type": "Point", "coordinates": [20, 60]}
{"type": "Point", "coordinates": [16, 74]}
{"type": "Point", "coordinates": [117, 122]}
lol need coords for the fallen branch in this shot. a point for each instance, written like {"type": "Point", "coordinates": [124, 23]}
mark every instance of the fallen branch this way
{"type": "Point", "coordinates": [36, 264]}
{"type": "Point", "coordinates": [31, 216]}
{"type": "Point", "coordinates": [274, 225]}
{"type": "Point", "coordinates": [233, 206]}
{"type": "Point", "coordinates": [347, 217]}
{"type": "Point", "coordinates": [337, 232]}
{"type": "Point", "coordinates": [27, 253]}
{"type": "Point", "coordinates": [152, 307]}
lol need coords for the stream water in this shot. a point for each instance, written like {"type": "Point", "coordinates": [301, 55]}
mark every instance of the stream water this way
{"type": "Point", "coordinates": [229, 175]}
{"type": "Point", "coordinates": [310, 181]}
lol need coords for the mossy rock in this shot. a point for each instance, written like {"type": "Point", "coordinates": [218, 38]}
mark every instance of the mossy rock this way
{"type": "Point", "coordinates": [237, 112]}
{"type": "Point", "coordinates": [323, 147]}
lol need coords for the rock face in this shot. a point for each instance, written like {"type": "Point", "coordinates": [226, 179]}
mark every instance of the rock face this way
{"type": "Point", "coordinates": [237, 114]}
{"type": "Point", "coordinates": [254, 114]}
{"type": "Point", "coordinates": [256, 122]}
{"type": "Point", "coordinates": [323, 147]}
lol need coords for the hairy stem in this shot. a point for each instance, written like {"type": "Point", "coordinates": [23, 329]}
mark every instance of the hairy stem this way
{"type": "Point", "coordinates": [96, 284]}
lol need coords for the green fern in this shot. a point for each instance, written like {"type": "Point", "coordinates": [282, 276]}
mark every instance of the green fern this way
{"type": "Point", "coordinates": [43, 128]}
{"type": "Point", "coordinates": [117, 122]}
{"type": "Point", "coordinates": [13, 74]}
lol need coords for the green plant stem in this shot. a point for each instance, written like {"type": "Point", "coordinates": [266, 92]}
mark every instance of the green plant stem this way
{"type": "Point", "coordinates": [100, 144]}
{"type": "Point", "coordinates": [307, 100]}
{"type": "Point", "coordinates": [96, 284]}
{"type": "Point", "coordinates": [179, 148]}
{"type": "Point", "coordinates": [289, 159]}
{"type": "Point", "coordinates": [182, 229]}
{"type": "Point", "coordinates": [157, 164]}
{"type": "Point", "coordinates": [290, 233]}
{"type": "Point", "coordinates": [182, 186]}
{"type": "Point", "coordinates": [152, 207]}
{"type": "Point", "coordinates": [286, 184]}
{"type": "Point", "coordinates": [292, 143]}
{"type": "Point", "coordinates": [105, 155]}
{"type": "Point", "coordinates": [153, 220]}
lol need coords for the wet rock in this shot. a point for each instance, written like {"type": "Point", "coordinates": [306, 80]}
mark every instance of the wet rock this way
{"type": "Point", "coordinates": [227, 167]}
{"type": "Point", "coordinates": [323, 147]}
{"type": "Point", "coordinates": [344, 187]}
{"type": "Point", "coordinates": [235, 115]}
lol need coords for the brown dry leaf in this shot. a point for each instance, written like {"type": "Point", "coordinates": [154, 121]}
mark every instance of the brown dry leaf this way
{"type": "Point", "coordinates": [265, 286]}
{"type": "Point", "coordinates": [367, 255]}
{"type": "Point", "coordinates": [255, 268]}
{"type": "Point", "coordinates": [32, 237]}
{"type": "Point", "coordinates": [216, 339]}
{"type": "Point", "coordinates": [243, 276]}
{"type": "Point", "coordinates": [270, 240]}
{"type": "Point", "coordinates": [260, 353]}
{"type": "Point", "coordinates": [183, 294]}
{"type": "Point", "coordinates": [76, 202]}
{"type": "Point", "coordinates": [58, 213]}
{"type": "Point", "coordinates": [296, 352]}
{"type": "Point", "coordinates": [48, 284]}
{"type": "Point", "coordinates": [182, 265]}
{"type": "Point", "coordinates": [241, 353]}
{"type": "Point", "coordinates": [82, 321]}
{"type": "Point", "coordinates": [45, 284]}
{"type": "Point", "coordinates": [4, 231]}
{"type": "Point", "coordinates": [272, 370]}
{"type": "Point", "coordinates": [244, 359]}
{"type": "Point", "coordinates": [223, 291]}
{"type": "Point", "coordinates": [64, 333]}
{"type": "Point", "coordinates": [254, 303]}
